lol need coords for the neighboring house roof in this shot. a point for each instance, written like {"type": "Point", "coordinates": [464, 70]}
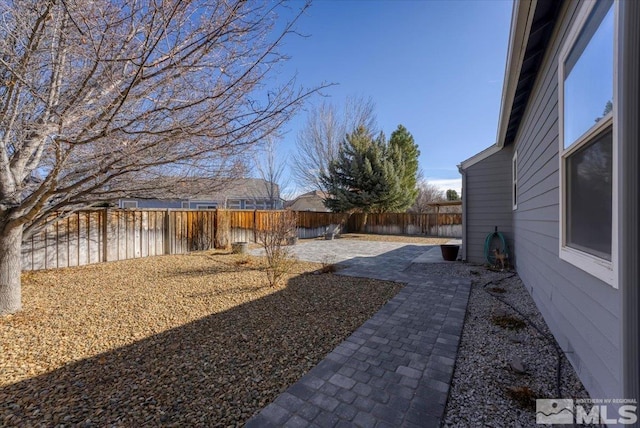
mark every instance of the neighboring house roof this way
{"type": "Point", "coordinates": [255, 188]}
{"type": "Point", "coordinates": [213, 190]}
{"type": "Point", "coordinates": [532, 23]}
{"type": "Point", "coordinates": [311, 201]}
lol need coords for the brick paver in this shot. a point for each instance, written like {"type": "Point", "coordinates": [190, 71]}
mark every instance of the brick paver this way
{"type": "Point", "coordinates": [395, 370]}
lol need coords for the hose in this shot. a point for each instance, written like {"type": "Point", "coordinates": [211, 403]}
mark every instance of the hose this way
{"type": "Point", "coordinates": [549, 337]}
{"type": "Point", "coordinates": [488, 253]}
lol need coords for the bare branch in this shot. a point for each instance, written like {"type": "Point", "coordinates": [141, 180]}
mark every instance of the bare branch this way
{"type": "Point", "coordinates": [325, 129]}
{"type": "Point", "coordinates": [100, 96]}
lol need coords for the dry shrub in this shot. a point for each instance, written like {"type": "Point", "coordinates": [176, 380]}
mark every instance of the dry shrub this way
{"type": "Point", "coordinates": [509, 322]}
{"type": "Point", "coordinates": [328, 264]}
{"type": "Point", "coordinates": [523, 395]}
{"type": "Point", "coordinates": [273, 237]}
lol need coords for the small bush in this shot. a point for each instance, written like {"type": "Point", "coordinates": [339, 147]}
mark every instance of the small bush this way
{"type": "Point", "coordinates": [273, 237]}
{"type": "Point", "coordinates": [328, 264]}
{"type": "Point", "coordinates": [523, 395]}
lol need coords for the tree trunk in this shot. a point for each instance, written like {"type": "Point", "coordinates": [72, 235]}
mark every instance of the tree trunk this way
{"type": "Point", "coordinates": [363, 222]}
{"type": "Point", "coordinates": [10, 269]}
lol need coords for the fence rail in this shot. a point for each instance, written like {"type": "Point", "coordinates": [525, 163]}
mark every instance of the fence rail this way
{"type": "Point", "coordinates": [94, 236]}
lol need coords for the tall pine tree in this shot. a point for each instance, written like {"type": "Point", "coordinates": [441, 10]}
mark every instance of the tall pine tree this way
{"type": "Point", "coordinates": [362, 177]}
{"type": "Point", "coordinates": [371, 175]}
{"type": "Point", "coordinates": [404, 153]}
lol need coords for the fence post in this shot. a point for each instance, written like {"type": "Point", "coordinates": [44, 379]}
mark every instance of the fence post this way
{"type": "Point", "coordinates": [166, 230]}
{"type": "Point", "coordinates": [105, 236]}
{"type": "Point", "coordinates": [255, 232]}
{"type": "Point", "coordinates": [214, 233]}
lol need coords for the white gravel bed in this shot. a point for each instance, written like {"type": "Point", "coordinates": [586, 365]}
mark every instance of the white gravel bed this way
{"type": "Point", "coordinates": [501, 371]}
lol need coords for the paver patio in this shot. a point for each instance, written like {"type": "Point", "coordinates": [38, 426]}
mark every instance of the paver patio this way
{"type": "Point", "coordinates": [395, 370]}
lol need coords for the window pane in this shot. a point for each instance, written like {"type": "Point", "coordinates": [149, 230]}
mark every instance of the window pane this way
{"type": "Point", "coordinates": [589, 185]}
{"type": "Point", "coordinates": [588, 85]}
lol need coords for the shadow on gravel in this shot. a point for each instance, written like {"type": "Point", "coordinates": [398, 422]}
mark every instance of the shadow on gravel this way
{"type": "Point", "coordinates": [216, 371]}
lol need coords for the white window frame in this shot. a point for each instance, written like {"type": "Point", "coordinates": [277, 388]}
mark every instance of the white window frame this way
{"type": "Point", "coordinates": [514, 181]}
{"type": "Point", "coordinates": [605, 270]}
{"type": "Point", "coordinates": [232, 202]}
{"type": "Point", "coordinates": [206, 205]}
{"type": "Point", "coordinates": [128, 202]}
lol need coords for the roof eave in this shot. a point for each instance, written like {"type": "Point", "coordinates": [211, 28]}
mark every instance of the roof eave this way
{"type": "Point", "coordinates": [479, 157]}
{"type": "Point", "coordinates": [521, 20]}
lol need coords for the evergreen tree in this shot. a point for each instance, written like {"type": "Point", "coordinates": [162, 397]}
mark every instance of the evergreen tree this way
{"type": "Point", "coordinates": [361, 177]}
{"type": "Point", "coordinates": [452, 195]}
{"type": "Point", "coordinates": [404, 153]}
{"type": "Point", "coordinates": [371, 175]}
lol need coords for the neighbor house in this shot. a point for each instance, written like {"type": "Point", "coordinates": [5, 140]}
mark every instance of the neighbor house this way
{"type": "Point", "coordinates": [562, 182]}
{"type": "Point", "coordinates": [239, 194]}
{"type": "Point", "coordinates": [310, 201]}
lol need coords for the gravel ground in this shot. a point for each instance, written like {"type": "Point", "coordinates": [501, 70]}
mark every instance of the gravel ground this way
{"type": "Point", "coordinates": [194, 340]}
{"type": "Point", "coordinates": [199, 340]}
{"type": "Point", "coordinates": [501, 369]}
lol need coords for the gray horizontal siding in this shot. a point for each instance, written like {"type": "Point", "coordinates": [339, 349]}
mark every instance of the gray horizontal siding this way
{"type": "Point", "coordinates": [582, 312]}
{"type": "Point", "coordinates": [488, 203]}
{"type": "Point", "coordinates": [157, 203]}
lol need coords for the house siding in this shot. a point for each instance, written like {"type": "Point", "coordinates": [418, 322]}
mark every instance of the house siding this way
{"type": "Point", "coordinates": [582, 312]}
{"type": "Point", "coordinates": [488, 203]}
{"type": "Point", "coordinates": [155, 203]}
{"type": "Point", "coordinates": [629, 93]}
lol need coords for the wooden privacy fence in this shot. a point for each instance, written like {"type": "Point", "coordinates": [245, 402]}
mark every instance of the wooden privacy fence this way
{"type": "Point", "coordinates": [443, 224]}
{"type": "Point", "coordinates": [94, 236]}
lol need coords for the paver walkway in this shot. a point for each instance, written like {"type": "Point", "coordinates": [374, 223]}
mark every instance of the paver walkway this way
{"type": "Point", "coordinates": [393, 371]}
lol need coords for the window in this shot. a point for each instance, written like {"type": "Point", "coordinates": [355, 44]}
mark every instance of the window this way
{"type": "Point", "coordinates": [588, 201]}
{"type": "Point", "coordinates": [588, 143]}
{"type": "Point", "coordinates": [129, 204]}
{"type": "Point", "coordinates": [206, 206]}
{"type": "Point", "coordinates": [234, 204]}
{"type": "Point", "coordinates": [514, 184]}
{"type": "Point", "coordinates": [185, 204]}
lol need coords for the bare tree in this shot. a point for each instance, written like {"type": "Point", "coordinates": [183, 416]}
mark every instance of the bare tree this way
{"type": "Point", "coordinates": [427, 193]}
{"type": "Point", "coordinates": [274, 236]}
{"type": "Point", "coordinates": [98, 97]}
{"type": "Point", "coordinates": [318, 142]}
{"type": "Point", "coordinates": [271, 170]}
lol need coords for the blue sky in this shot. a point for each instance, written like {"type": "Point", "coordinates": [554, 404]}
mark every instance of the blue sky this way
{"type": "Point", "coordinates": [437, 67]}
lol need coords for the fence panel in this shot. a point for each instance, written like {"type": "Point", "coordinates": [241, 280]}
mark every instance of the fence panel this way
{"type": "Point", "coordinates": [242, 226]}
{"type": "Point", "coordinates": [445, 224]}
{"type": "Point", "coordinates": [314, 224]}
{"type": "Point", "coordinates": [94, 236]}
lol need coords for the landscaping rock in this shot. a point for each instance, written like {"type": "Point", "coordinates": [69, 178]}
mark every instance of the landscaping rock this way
{"type": "Point", "coordinates": [192, 340]}
{"type": "Point", "coordinates": [517, 365]}
{"type": "Point", "coordinates": [517, 337]}
{"type": "Point", "coordinates": [480, 393]}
